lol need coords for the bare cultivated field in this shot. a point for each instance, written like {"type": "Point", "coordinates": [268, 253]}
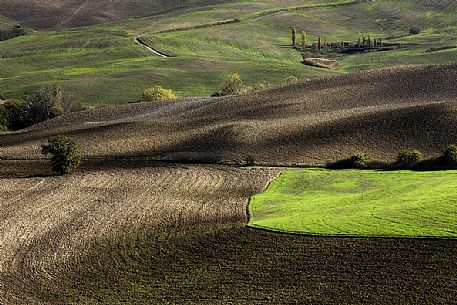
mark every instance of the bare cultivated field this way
{"type": "Point", "coordinates": [48, 225]}
{"type": "Point", "coordinates": [126, 230]}
{"type": "Point", "coordinates": [377, 112]}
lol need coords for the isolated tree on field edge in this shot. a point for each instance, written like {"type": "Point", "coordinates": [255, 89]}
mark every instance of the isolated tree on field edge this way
{"type": "Point", "coordinates": [232, 84]}
{"type": "Point", "coordinates": [65, 156]}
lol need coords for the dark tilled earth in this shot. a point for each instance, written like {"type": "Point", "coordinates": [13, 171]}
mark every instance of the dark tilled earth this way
{"type": "Point", "coordinates": [121, 231]}
{"type": "Point", "coordinates": [377, 112]}
{"type": "Point", "coordinates": [249, 266]}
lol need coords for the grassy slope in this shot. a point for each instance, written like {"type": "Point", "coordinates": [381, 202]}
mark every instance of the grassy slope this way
{"type": "Point", "coordinates": [360, 203]}
{"type": "Point", "coordinates": [101, 64]}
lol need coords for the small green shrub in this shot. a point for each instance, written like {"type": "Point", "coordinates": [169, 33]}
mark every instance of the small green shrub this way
{"type": "Point", "coordinates": [414, 30]}
{"type": "Point", "coordinates": [157, 93]}
{"type": "Point", "coordinates": [14, 115]}
{"type": "Point", "coordinates": [291, 80]}
{"type": "Point", "coordinates": [3, 118]}
{"type": "Point", "coordinates": [409, 158]}
{"type": "Point", "coordinates": [450, 154]}
{"type": "Point", "coordinates": [65, 156]}
{"type": "Point", "coordinates": [249, 160]}
{"type": "Point", "coordinates": [263, 85]}
{"type": "Point", "coordinates": [359, 160]}
{"type": "Point", "coordinates": [231, 85]}
{"type": "Point", "coordinates": [356, 160]}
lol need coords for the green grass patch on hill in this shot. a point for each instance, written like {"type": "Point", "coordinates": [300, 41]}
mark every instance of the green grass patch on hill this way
{"type": "Point", "coordinates": [102, 65]}
{"type": "Point", "coordinates": [359, 203]}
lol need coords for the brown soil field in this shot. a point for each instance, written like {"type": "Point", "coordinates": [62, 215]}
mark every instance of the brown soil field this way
{"type": "Point", "coordinates": [52, 14]}
{"type": "Point", "coordinates": [378, 112]}
{"type": "Point", "coordinates": [49, 225]}
{"type": "Point", "coordinates": [149, 233]}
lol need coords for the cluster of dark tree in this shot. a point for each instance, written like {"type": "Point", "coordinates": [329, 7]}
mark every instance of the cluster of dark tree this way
{"type": "Point", "coordinates": [14, 32]}
{"type": "Point", "coordinates": [407, 159]}
{"type": "Point", "coordinates": [46, 103]}
{"type": "Point", "coordinates": [321, 43]}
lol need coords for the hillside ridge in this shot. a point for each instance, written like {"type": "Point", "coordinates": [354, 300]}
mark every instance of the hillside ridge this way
{"type": "Point", "coordinates": [379, 112]}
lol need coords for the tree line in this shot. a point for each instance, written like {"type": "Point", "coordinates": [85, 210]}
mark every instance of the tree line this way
{"type": "Point", "coordinates": [46, 103]}
{"type": "Point", "coordinates": [321, 43]}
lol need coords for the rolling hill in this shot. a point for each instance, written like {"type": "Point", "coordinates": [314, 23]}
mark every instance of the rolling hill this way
{"type": "Point", "coordinates": [102, 65]}
{"type": "Point", "coordinates": [378, 112]}
{"type": "Point", "coordinates": [141, 223]}
{"type": "Point", "coordinates": [52, 15]}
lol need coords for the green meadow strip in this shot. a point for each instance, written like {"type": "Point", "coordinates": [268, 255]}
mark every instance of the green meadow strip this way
{"type": "Point", "coordinates": [359, 203]}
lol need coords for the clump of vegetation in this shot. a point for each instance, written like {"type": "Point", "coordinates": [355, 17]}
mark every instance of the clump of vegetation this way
{"type": "Point", "coordinates": [14, 115]}
{"type": "Point", "coordinates": [3, 118]}
{"type": "Point", "coordinates": [450, 155]}
{"type": "Point", "coordinates": [263, 85]}
{"type": "Point", "coordinates": [409, 158]}
{"type": "Point", "coordinates": [359, 160]}
{"type": "Point", "coordinates": [356, 160]}
{"type": "Point", "coordinates": [46, 103]}
{"type": "Point", "coordinates": [294, 36]}
{"type": "Point", "coordinates": [232, 84]}
{"type": "Point", "coordinates": [414, 30]}
{"type": "Point", "coordinates": [249, 160]}
{"type": "Point", "coordinates": [15, 31]}
{"type": "Point", "coordinates": [65, 156]}
{"type": "Point", "coordinates": [157, 93]}
{"type": "Point", "coordinates": [291, 80]}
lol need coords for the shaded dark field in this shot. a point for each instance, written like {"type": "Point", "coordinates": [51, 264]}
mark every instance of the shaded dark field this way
{"type": "Point", "coordinates": [248, 266]}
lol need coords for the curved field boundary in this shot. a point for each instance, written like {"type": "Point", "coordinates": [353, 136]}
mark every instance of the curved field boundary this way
{"type": "Point", "coordinates": [264, 13]}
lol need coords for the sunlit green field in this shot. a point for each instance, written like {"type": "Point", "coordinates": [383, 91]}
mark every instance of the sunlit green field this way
{"type": "Point", "coordinates": [359, 203]}
{"type": "Point", "coordinates": [102, 65]}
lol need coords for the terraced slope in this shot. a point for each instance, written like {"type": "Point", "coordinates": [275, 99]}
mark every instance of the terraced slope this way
{"type": "Point", "coordinates": [378, 112]}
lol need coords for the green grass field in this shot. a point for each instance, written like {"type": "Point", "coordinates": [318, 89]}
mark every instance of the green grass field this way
{"type": "Point", "coordinates": [359, 203]}
{"type": "Point", "coordinates": [101, 64]}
